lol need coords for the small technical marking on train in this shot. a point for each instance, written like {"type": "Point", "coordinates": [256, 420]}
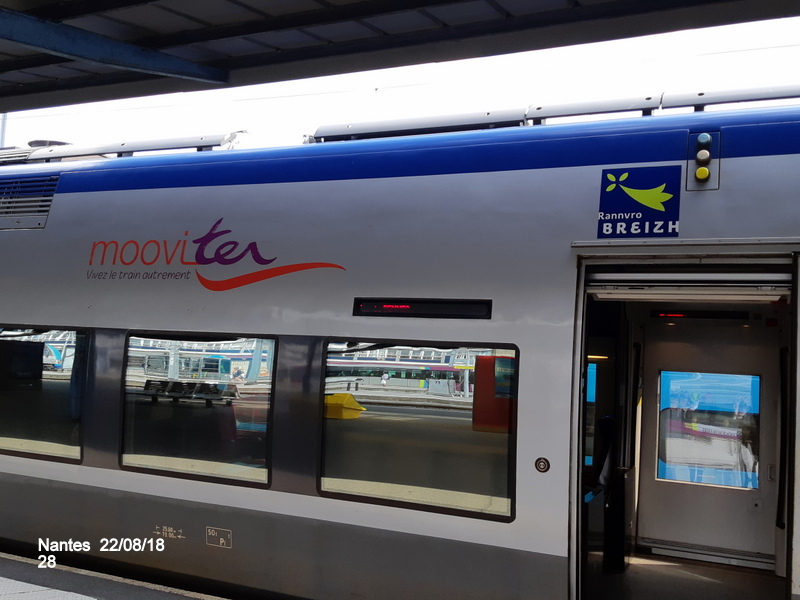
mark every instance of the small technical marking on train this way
{"type": "Point", "coordinates": [165, 531]}
{"type": "Point", "coordinates": [640, 202]}
{"type": "Point", "coordinates": [212, 249]}
{"type": "Point", "coordinates": [221, 538]}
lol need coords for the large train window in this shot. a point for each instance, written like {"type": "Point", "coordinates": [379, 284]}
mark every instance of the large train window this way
{"type": "Point", "coordinates": [199, 406]}
{"type": "Point", "coordinates": [421, 425]}
{"type": "Point", "coordinates": [708, 429]}
{"type": "Point", "coordinates": [42, 378]}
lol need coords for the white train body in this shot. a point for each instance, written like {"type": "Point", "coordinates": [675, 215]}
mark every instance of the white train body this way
{"type": "Point", "coordinates": [282, 244]}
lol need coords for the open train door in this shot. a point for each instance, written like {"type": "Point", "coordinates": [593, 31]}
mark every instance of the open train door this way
{"type": "Point", "coordinates": [790, 514]}
{"type": "Point", "coordinates": [686, 432]}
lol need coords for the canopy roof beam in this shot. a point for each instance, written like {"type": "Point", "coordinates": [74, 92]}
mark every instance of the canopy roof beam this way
{"type": "Point", "coordinates": [81, 45]}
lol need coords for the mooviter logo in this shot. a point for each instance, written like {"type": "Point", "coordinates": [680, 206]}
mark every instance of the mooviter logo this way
{"type": "Point", "coordinates": [212, 248]}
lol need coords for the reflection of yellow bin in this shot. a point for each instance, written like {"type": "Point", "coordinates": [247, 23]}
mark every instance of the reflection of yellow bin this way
{"type": "Point", "coordinates": [342, 406]}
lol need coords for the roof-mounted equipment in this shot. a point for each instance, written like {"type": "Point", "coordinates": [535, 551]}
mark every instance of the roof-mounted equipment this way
{"type": "Point", "coordinates": [645, 104]}
{"type": "Point", "coordinates": [404, 127]}
{"type": "Point", "coordinates": [699, 100]}
{"type": "Point", "coordinates": [539, 114]}
{"type": "Point", "coordinates": [58, 152]}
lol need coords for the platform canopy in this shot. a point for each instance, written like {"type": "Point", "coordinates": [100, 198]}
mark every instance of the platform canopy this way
{"type": "Point", "coordinates": [59, 52]}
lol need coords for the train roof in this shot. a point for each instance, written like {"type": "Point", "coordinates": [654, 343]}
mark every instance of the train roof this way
{"type": "Point", "coordinates": [752, 132]}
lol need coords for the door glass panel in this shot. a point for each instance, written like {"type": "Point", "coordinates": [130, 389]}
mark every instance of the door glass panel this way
{"type": "Point", "coordinates": [708, 428]}
{"type": "Point", "coordinates": [591, 400]}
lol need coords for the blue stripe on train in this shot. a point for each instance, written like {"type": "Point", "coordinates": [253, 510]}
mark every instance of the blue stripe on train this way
{"type": "Point", "coordinates": [639, 140]}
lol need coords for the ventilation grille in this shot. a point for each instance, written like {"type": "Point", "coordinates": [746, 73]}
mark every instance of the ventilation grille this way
{"type": "Point", "coordinates": [25, 202]}
{"type": "Point", "coordinates": [15, 155]}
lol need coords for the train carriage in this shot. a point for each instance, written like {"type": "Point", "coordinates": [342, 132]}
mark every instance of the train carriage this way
{"type": "Point", "coordinates": [615, 300]}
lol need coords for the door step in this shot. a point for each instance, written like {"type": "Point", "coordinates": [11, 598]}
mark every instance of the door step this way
{"type": "Point", "coordinates": [723, 556]}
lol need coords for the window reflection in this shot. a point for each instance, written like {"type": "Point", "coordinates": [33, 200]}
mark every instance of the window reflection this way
{"type": "Point", "coordinates": [42, 378]}
{"type": "Point", "coordinates": [709, 428]}
{"type": "Point", "coordinates": [418, 424]}
{"type": "Point", "coordinates": [198, 406]}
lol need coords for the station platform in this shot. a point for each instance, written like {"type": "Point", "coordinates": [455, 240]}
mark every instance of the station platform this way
{"type": "Point", "coordinates": [22, 579]}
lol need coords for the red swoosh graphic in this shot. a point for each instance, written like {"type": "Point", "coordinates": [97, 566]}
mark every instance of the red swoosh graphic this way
{"type": "Point", "coordinates": [243, 280]}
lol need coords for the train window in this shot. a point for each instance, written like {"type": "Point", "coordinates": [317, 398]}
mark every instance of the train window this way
{"type": "Point", "coordinates": [199, 407]}
{"type": "Point", "coordinates": [434, 432]}
{"type": "Point", "coordinates": [42, 378]}
{"type": "Point", "coordinates": [708, 429]}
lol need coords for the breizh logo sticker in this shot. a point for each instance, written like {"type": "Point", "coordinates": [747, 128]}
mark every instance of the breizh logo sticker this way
{"type": "Point", "coordinates": [641, 202]}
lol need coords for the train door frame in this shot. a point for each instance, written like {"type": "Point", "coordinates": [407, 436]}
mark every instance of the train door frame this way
{"type": "Point", "coordinates": [651, 269]}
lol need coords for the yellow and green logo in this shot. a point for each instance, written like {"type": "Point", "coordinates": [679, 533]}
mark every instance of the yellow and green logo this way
{"type": "Point", "coordinates": [640, 202]}
{"type": "Point", "coordinates": [653, 198]}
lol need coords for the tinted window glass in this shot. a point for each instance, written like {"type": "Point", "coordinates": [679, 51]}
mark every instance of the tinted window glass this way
{"type": "Point", "coordinates": [429, 426]}
{"type": "Point", "coordinates": [42, 378]}
{"type": "Point", "coordinates": [199, 407]}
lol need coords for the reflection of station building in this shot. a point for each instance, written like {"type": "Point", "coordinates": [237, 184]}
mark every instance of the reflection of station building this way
{"type": "Point", "coordinates": [447, 371]}
{"type": "Point", "coordinates": [243, 361]}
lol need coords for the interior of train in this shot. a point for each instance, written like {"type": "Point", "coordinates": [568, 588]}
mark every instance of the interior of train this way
{"type": "Point", "coordinates": [685, 431]}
